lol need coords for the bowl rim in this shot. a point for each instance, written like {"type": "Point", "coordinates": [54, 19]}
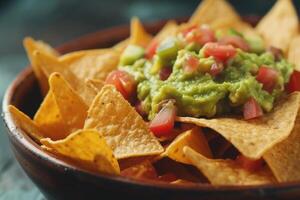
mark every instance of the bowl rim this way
{"type": "Point", "coordinates": [20, 137]}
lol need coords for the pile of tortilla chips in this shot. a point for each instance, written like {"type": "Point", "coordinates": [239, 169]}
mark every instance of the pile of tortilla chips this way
{"type": "Point", "coordinates": [88, 123]}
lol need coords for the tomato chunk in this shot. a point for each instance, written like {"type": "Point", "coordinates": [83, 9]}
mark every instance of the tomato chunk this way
{"type": "Point", "coordinates": [219, 51]}
{"type": "Point", "coordinates": [163, 122]}
{"type": "Point", "coordinates": [191, 64]}
{"type": "Point", "coordinates": [216, 69]}
{"type": "Point", "coordinates": [151, 49]}
{"type": "Point", "coordinates": [294, 83]}
{"type": "Point", "coordinates": [123, 82]}
{"type": "Point", "coordinates": [268, 77]}
{"type": "Point", "coordinates": [143, 171]}
{"type": "Point", "coordinates": [236, 41]}
{"type": "Point", "coordinates": [252, 109]}
{"type": "Point", "coordinates": [249, 164]}
{"type": "Point", "coordinates": [165, 73]}
{"type": "Point", "coordinates": [200, 35]}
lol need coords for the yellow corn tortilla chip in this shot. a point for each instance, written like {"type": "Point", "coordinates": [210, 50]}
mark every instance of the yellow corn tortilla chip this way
{"type": "Point", "coordinates": [87, 146]}
{"type": "Point", "coordinates": [294, 52]}
{"type": "Point", "coordinates": [210, 11]}
{"type": "Point", "coordinates": [123, 128]}
{"type": "Point", "coordinates": [138, 35]}
{"type": "Point", "coordinates": [63, 111]}
{"type": "Point", "coordinates": [284, 158]}
{"type": "Point", "coordinates": [193, 138]}
{"type": "Point", "coordinates": [254, 137]}
{"type": "Point", "coordinates": [119, 47]}
{"type": "Point", "coordinates": [93, 86]}
{"type": "Point", "coordinates": [279, 25]}
{"type": "Point", "coordinates": [24, 122]}
{"type": "Point", "coordinates": [227, 172]}
{"type": "Point", "coordinates": [31, 46]}
{"type": "Point", "coordinates": [169, 29]}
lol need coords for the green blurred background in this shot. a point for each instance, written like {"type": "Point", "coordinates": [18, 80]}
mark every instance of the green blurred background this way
{"type": "Point", "coordinates": [57, 21]}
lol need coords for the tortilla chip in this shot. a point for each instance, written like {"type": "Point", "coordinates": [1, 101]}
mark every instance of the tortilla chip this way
{"type": "Point", "coordinates": [119, 47]}
{"type": "Point", "coordinates": [254, 137]}
{"type": "Point", "coordinates": [32, 45]}
{"type": "Point", "coordinates": [62, 111]}
{"type": "Point", "coordinates": [138, 35]}
{"type": "Point", "coordinates": [283, 159]}
{"type": "Point", "coordinates": [169, 29]}
{"type": "Point", "coordinates": [193, 138]}
{"type": "Point", "coordinates": [294, 52]}
{"type": "Point", "coordinates": [87, 146]}
{"type": "Point", "coordinates": [123, 128]}
{"type": "Point", "coordinates": [279, 25]}
{"type": "Point", "coordinates": [24, 122]}
{"type": "Point", "coordinates": [210, 11]}
{"type": "Point", "coordinates": [227, 172]}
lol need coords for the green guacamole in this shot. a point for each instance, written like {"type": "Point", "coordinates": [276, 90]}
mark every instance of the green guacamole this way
{"type": "Point", "coordinates": [201, 94]}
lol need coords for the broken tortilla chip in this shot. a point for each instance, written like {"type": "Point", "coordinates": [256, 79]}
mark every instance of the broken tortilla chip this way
{"type": "Point", "coordinates": [123, 128]}
{"type": "Point", "coordinates": [119, 47]}
{"type": "Point", "coordinates": [138, 35]}
{"type": "Point", "coordinates": [24, 122]}
{"type": "Point", "coordinates": [283, 159]}
{"type": "Point", "coordinates": [254, 137]}
{"type": "Point", "coordinates": [87, 146]}
{"type": "Point", "coordinates": [31, 46]}
{"type": "Point", "coordinates": [279, 25]}
{"type": "Point", "coordinates": [169, 29]}
{"type": "Point", "coordinates": [56, 113]}
{"type": "Point", "coordinates": [294, 52]}
{"type": "Point", "coordinates": [193, 138]}
{"type": "Point", "coordinates": [227, 172]}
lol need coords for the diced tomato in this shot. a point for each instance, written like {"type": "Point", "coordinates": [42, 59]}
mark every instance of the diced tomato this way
{"type": "Point", "coordinates": [236, 41]}
{"type": "Point", "coordinates": [249, 164]}
{"type": "Point", "coordinates": [165, 73]}
{"type": "Point", "coordinates": [268, 77]}
{"type": "Point", "coordinates": [139, 109]}
{"type": "Point", "coordinates": [216, 68]}
{"type": "Point", "coordinates": [219, 51]}
{"type": "Point", "coordinates": [144, 171]}
{"type": "Point", "coordinates": [191, 64]}
{"type": "Point", "coordinates": [168, 177]}
{"type": "Point", "coordinates": [123, 82]}
{"type": "Point", "coordinates": [277, 53]}
{"type": "Point", "coordinates": [163, 122]}
{"type": "Point", "coordinates": [252, 109]}
{"type": "Point", "coordinates": [200, 35]}
{"type": "Point", "coordinates": [151, 49]}
{"type": "Point", "coordinates": [294, 83]}
{"type": "Point", "coordinates": [188, 29]}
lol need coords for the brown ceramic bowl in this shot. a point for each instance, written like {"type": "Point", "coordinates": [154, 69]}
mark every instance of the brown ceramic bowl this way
{"type": "Point", "coordinates": [59, 180]}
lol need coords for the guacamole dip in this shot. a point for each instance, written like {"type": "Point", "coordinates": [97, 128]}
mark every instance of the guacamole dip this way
{"type": "Point", "coordinates": [206, 74]}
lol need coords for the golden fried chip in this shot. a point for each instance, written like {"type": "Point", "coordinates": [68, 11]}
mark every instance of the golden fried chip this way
{"type": "Point", "coordinates": [294, 52]}
{"type": "Point", "coordinates": [87, 146]}
{"type": "Point", "coordinates": [62, 111]}
{"type": "Point", "coordinates": [138, 35]}
{"type": "Point", "coordinates": [24, 122]}
{"type": "Point", "coordinates": [279, 25]}
{"type": "Point", "coordinates": [119, 47]}
{"type": "Point", "coordinates": [31, 46]}
{"type": "Point", "coordinates": [210, 11]}
{"type": "Point", "coordinates": [227, 172]}
{"type": "Point", "coordinates": [254, 137]}
{"type": "Point", "coordinates": [283, 159]}
{"type": "Point", "coordinates": [123, 128]}
{"type": "Point", "coordinates": [193, 138]}
{"type": "Point", "coordinates": [169, 29]}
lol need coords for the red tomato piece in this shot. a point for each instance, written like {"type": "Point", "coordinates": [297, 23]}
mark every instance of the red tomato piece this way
{"type": "Point", "coordinates": [144, 171]}
{"type": "Point", "coordinates": [163, 122]}
{"type": "Point", "coordinates": [191, 64]}
{"type": "Point", "coordinates": [268, 77]}
{"type": "Point", "coordinates": [188, 29]}
{"type": "Point", "coordinates": [294, 83]}
{"type": "Point", "coordinates": [252, 109]}
{"type": "Point", "coordinates": [200, 35]}
{"type": "Point", "coordinates": [219, 51]}
{"type": "Point", "coordinates": [123, 82]}
{"type": "Point", "coordinates": [249, 164]}
{"type": "Point", "coordinates": [151, 49]}
{"type": "Point", "coordinates": [165, 73]}
{"type": "Point", "coordinates": [216, 69]}
{"type": "Point", "coordinates": [236, 41]}
{"type": "Point", "coordinates": [277, 53]}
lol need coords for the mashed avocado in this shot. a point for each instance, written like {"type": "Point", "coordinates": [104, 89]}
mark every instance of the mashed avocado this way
{"type": "Point", "coordinates": [201, 94]}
